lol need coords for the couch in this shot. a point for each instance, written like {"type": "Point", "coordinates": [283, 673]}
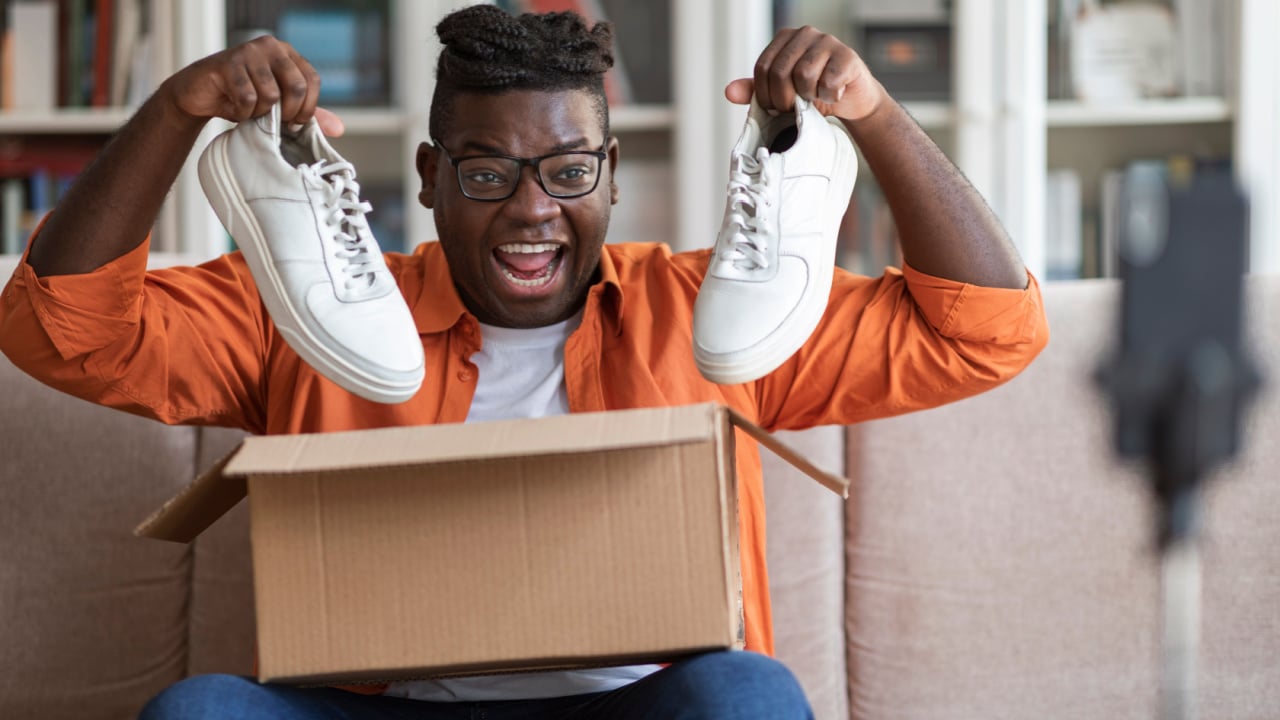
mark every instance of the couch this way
{"type": "Point", "coordinates": [992, 560]}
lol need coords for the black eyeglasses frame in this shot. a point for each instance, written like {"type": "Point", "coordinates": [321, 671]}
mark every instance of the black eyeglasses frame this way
{"type": "Point", "coordinates": [521, 162]}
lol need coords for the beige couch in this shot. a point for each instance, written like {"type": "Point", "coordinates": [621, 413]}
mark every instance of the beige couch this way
{"type": "Point", "coordinates": [991, 562]}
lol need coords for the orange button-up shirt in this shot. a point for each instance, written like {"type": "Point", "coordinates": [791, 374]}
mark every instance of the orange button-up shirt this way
{"type": "Point", "coordinates": [195, 345]}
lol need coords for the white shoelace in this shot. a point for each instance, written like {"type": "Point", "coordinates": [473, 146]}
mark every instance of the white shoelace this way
{"type": "Point", "coordinates": [347, 217]}
{"type": "Point", "coordinates": [749, 204]}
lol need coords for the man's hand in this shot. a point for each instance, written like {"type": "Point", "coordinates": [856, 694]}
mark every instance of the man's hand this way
{"type": "Point", "coordinates": [816, 66]}
{"type": "Point", "coordinates": [243, 82]}
{"type": "Point", "coordinates": [112, 205]}
{"type": "Point", "coordinates": [944, 226]}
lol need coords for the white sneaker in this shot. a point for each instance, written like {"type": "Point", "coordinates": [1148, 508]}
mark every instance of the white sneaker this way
{"type": "Point", "coordinates": [767, 284]}
{"type": "Point", "coordinates": [293, 206]}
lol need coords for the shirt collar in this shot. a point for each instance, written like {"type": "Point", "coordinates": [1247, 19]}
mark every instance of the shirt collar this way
{"type": "Point", "coordinates": [438, 307]}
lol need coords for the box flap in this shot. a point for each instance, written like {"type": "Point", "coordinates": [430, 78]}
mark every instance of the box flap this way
{"type": "Point", "coordinates": [191, 511]}
{"type": "Point", "coordinates": [837, 484]}
{"type": "Point", "coordinates": [403, 446]}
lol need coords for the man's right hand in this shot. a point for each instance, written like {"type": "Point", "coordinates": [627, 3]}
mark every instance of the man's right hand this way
{"type": "Point", "coordinates": [112, 206]}
{"type": "Point", "coordinates": [243, 82]}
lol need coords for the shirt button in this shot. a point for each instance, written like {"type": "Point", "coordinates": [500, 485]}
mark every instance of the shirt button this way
{"type": "Point", "coordinates": [466, 375]}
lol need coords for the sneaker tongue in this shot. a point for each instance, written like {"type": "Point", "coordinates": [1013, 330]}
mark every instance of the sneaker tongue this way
{"type": "Point", "coordinates": [526, 262]}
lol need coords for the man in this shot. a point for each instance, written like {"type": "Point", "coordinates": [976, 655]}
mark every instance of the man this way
{"type": "Point", "coordinates": [515, 283]}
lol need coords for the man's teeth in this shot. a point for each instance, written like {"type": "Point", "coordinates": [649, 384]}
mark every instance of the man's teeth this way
{"type": "Point", "coordinates": [526, 249]}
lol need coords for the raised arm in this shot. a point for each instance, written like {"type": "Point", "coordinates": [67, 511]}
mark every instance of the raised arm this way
{"type": "Point", "coordinates": [945, 227]}
{"type": "Point", "coordinates": [112, 205]}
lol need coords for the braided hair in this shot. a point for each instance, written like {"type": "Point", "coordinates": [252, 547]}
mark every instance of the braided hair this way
{"type": "Point", "coordinates": [486, 50]}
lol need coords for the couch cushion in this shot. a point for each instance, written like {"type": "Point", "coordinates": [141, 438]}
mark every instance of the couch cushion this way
{"type": "Point", "coordinates": [1000, 562]}
{"type": "Point", "coordinates": [806, 569]}
{"type": "Point", "coordinates": [94, 619]}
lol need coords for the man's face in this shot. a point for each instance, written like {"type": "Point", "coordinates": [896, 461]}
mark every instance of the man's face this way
{"type": "Point", "coordinates": [529, 260]}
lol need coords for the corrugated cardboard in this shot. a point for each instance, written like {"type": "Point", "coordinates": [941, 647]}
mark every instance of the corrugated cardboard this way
{"type": "Point", "coordinates": [584, 539]}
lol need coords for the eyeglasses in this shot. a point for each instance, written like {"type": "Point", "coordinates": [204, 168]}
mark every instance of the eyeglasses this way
{"type": "Point", "coordinates": [490, 178]}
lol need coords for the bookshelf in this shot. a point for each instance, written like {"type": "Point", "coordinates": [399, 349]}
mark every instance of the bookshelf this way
{"type": "Point", "coordinates": [672, 181]}
{"type": "Point", "coordinates": [674, 153]}
{"type": "Point", "coordinates": [1009, 123]}
{"type": "Point", "coordinates": [63, 98]}
{"type": "Point", "coordinates": [998, 122]}
{"type": "Point", "coordinates": [1162, 111]}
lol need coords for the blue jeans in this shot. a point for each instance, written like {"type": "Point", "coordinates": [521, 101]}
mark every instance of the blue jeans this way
{"type": "Point", "coordinates": [728, 685]}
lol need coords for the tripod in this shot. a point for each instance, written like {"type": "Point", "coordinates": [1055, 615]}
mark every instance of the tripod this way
{"type": "Point", "coordinates": [1181, 378]}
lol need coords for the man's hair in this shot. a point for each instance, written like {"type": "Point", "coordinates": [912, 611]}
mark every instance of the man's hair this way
{"type": "Point", "coordinates": [486, 50]}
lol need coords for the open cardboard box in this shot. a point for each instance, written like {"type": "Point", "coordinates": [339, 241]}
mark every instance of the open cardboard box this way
{"type": "Point", "coordinates": [570, 541]}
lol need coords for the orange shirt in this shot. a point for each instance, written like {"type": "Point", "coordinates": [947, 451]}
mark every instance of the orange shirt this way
{"type": "Point", "coordinates": [195, 345]}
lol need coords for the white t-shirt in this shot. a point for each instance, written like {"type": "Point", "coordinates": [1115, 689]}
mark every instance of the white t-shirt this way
{"type": "Point", "coordinates": [521, 375]}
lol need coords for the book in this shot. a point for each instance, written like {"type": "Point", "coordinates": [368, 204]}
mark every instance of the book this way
{"type": "Point", "coordinates": [868, 237]}
{"type": "Point", "coordinates": [124, 42]}
{"type": "Point", "coordinates": [20, 156]}
{"type": "Point", "coordinates": [100, 62]}
{"type": "Point", "coordinates": [1064, 240]}
{"type": "Point", "coordinates": [149, 64]}
{"type": "Point", "coordinates": [1062, 18]}
{"type": "Point", "coordinates": [6, 67]}
{"type": "Point", "coordinates": [1108, 255]}
{"type": "Point", "coordinates": [34, 26]}
{"type": "Point", "coordinates": [13, 203]}
{"type": "Point", "coordinates": [1201, 44]}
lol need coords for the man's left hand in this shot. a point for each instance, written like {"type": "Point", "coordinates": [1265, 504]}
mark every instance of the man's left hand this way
{"type": "Point", "coordinates": [816, 66]}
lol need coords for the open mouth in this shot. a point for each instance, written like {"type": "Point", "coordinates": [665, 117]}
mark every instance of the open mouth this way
{"type": "Point", "coordinates": [531, 265]}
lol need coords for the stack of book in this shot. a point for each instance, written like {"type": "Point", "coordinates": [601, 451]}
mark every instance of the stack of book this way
{"type": "Point", "coordinates": [34, 172]}
{"type": "Point", "coordinates": [73, 54]}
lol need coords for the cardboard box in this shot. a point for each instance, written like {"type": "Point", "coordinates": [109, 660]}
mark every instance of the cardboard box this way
{"type": "Point", "coordinates": [578, 540]}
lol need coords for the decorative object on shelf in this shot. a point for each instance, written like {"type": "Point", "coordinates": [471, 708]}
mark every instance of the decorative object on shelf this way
{"type": "Point", "coordinates": [906, 45]}
{"type": "Point", "coordinates": [32, 35]}
{"type": "Point", "coordinates": [1124, 51]}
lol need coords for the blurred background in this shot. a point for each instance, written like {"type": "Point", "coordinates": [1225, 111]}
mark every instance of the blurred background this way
{"type": "Point", "coordinates": [1042, 103]}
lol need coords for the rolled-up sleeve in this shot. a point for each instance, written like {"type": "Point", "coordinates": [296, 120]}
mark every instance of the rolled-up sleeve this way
{"type": "Point", "coordinates": [980, 314]}
{"type": "Point", "coordinates": [86, 312]}
{"type": "Point", "coordinates": [180, 345]}
{"type": "Point", "coordinates": [904, 341]}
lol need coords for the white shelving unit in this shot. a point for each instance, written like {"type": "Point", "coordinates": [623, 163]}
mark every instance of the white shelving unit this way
{"type": "Point", "coordinates": [1004, 134]}
{"type": "Point", "coordinates": [1170, 111]}
{"type": "Point", "coordinates": [64, 122]}
{"type": "Point", "coordinates": [674, 157]}
{"type": "Point", "coordinates": [999, 128]}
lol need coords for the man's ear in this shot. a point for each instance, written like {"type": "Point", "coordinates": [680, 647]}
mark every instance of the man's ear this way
{"type": "Point", "coordinates": [613, 170]}
{"type": "Point", "coordinates": [427, 162]}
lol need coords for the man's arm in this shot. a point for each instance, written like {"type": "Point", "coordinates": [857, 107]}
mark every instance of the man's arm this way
{"type": "Point", "coordinates": [112, 205]}
{"type": "Point", "coordinates": [945, 227]}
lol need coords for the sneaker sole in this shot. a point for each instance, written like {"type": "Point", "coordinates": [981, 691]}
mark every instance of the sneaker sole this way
{"type": "Point", "coordinates": [218, 182]}
{"type": "Point", "coordinates": [796, 329]}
